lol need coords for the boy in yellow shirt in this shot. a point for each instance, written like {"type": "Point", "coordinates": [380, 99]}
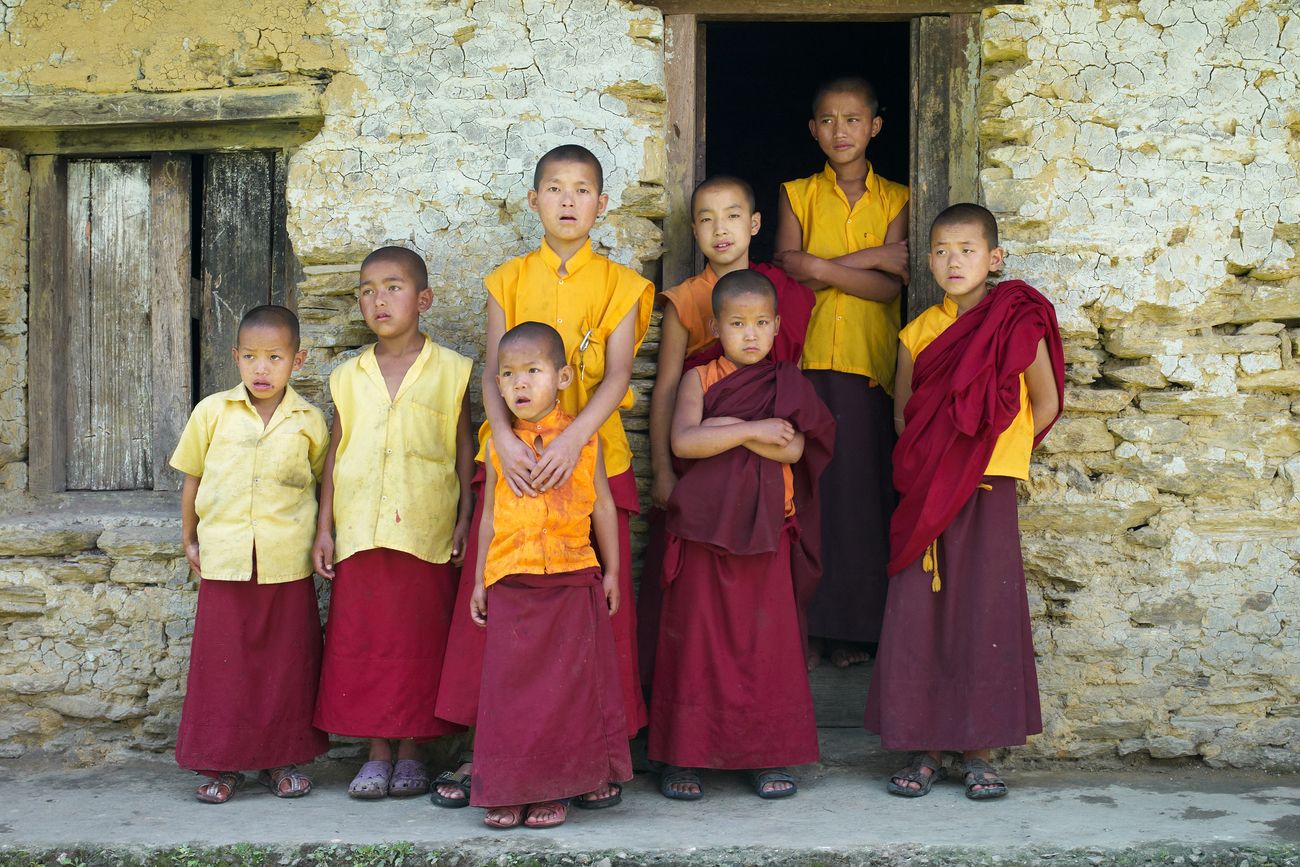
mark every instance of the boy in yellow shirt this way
{"type": "Point", "coordinates": [394, 514]}
{"type": "Point", "coordinates": [251, 457]}
{"type": "Point", "coordinates": [843, 233]}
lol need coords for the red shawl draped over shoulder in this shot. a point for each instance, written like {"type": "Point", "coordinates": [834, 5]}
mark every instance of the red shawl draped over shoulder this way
{"type": "Point", "coordinates": [735, 501]}
{"type": "Point", "coordinates": [965, 392]}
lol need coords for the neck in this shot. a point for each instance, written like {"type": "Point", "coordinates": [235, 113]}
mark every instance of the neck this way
{"type": "Point", "coordinates": [853, 172]}
{"type": "Point", "coordinates": [401, 344]}
{"type": "Point", "coordinates": [970, 299]}
{"type": "Point", "coordinates": [739, 265]}
{"type": "Point", "coordinates": [266, 406]}
{"type": "Point", "coordinates": [566, 250]}
{"type": "Point", "coordinates": [543, 414]}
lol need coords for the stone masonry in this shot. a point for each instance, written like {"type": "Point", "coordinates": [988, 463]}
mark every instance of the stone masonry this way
{"type": "Point", "coordinates": [1143, 159]}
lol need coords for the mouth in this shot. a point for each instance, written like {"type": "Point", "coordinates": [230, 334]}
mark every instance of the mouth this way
{"type": "Point", "coordinates": [383, 317]}
{"type": "Point", "coordinates": [523, 401]}
{"type": "Point", "coordinates": [723, 246]}
{"type": "Point", "coordinates": [261, 385]}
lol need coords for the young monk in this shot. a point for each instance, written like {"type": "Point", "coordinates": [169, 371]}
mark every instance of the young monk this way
{"type": "Point", "coordinates": [251, 458]}
{"type": "Point", "coordinates": [550, 718]}
{"type": "Point", "coordinates": [601, 309]}
{"type": "Point", "coordinates": [731, 688]}
{"type": "Point", "coordinates": [980, 381]}
{"type": "Point", "coordinates": [843, 232]}
{"type": "Point", "coordinates": [394, 514]}
{"type": "Point", "coordinates": [724, 221]}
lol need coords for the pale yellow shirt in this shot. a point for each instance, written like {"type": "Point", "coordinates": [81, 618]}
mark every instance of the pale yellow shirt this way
{"type": "Point", "coordinates": [395, 482]}
{"type": "Point", "coordinates": [848, 333]}
{"type": "Point", "coordinates": [257, 484]}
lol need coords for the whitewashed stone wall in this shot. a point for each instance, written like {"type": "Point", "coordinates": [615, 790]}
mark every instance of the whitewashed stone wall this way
{"type": "Point", "coordinates": [1144, 162]}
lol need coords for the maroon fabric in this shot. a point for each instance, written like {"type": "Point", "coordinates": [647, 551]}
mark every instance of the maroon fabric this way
{"type": "Point", "coordinates": [794, 304]}
{"type": "Point", "coordinates": [254, 665]}
{"type": "Point", "coordinates": [753, 487]}
{"type": "Point", "coordinates": [965, 392]}
{"type": "Point", "coordinates": [550, 719]}
{"type": "Point", "coordinates": [731, 687]}
{"type": "Point", "coordinates": [857, 497]}
{"type": "Point", "coordinates": [650, 596]}
{"type": "Point", "coordinates": [458, 694]}
{"type": "Point", "coordinates": [955, 669]}
{"type": "Point", "coordinates": [384, 641]}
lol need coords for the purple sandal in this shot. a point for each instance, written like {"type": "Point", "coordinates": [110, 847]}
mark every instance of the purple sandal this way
{"type": "Point", "coordinates": [409, 779]}
{"type": "Point", "coordinates": [371, 782]}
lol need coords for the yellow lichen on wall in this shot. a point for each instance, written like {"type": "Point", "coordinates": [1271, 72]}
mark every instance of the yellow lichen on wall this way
{"type": "Point", "coordinates": [163, 45]}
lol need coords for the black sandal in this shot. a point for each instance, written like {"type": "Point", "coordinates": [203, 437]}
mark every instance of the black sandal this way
{"type": "Point", "coordinates": [978, 772]}
{"type": "Point", "coordinates": [456, 780]}
{"type": "Point", "coordinates": [916, 773]}
{"type": "Point", "coordinates": [582, 802]}
{"type": "Point", "coordinates": [673, 775]}
{"type": "Point", "coordinates": [759, 778]}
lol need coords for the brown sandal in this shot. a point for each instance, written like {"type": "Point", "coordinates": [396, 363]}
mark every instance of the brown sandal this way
{"type": "Point", "coordinates": [219, 789]}
{"type": "Point", "coordinates": [558, 809]}
{"type": "Point", "coordinates": [507, 817]}
{"type": "Point", "coordinates": [275, 778]}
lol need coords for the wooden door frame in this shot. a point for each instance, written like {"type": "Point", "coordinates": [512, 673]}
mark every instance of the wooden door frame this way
{"type": "Point", "coordinates": [944, 47]}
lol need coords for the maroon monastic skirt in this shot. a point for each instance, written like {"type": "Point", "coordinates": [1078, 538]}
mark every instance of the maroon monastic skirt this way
{"type": "Point", "coordinates": [384, 642]}
{"type": "Point", "coordinates": [458, 696]}
{"type": "Point", "coordinates": [650, 595]}
{"type": "Point", "coordinates": [731, 686]}
{"type": "Point", "coordinates": [956, 668]}
{"type": "Point", "coordinates": [857, 492]}
{"type": "Point", "coordinates": [254, 665]}
{"type": "Point", "coordinates": [550, 716]}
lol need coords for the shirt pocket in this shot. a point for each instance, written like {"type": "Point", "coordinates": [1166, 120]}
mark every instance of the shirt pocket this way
{"type": "Point", "coordinates": [589, 362]}
{"type": "Point", "coordinates": [427, 434]}
{"type": "Point", "coordinates": [292, 461]}
{"type": "Point", "coordinates": [870, 239]}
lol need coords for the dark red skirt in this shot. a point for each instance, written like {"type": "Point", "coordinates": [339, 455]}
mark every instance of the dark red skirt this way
{"type": "Point", "coordinates": [731, 686]}
{"type": "Point", "coordinates": [384, 642]}
{"type": "Point", "coordinates": [458, 696]}
{"type": "Point", "coordinates": [650, 595]}
{"type": "Point", "coordinates": [254, 666]}
{"type": "Point", "coordinates": [550, 718]}
{"type": "Point", "coordinates": [857, 492]}
{"type": "Point", "coordinates": [956, 668]}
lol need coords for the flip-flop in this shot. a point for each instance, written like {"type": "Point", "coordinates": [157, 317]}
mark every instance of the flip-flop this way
{"type": "Point", "coordinates": [410, 778]}
{"type": "Point", "coordinates": [561, 808]}
{"type": "Point", "coordinates": [915, 773]}
{"type": "Point", "coordinates": [759, 778]}
{"type": "Point", "coordinates": [584, 803]}
{"type": "Point", "coordinates": [275, 776]}
{"type": "Point", "coordinates": [371, 782]}
{"type": "Point", "coordinates": [211, 792]}
{"type": "Point", "coordinates": [672, 775]}
{"type": "Point", "coordinates": [516, 817]}
{"type": "Point", "coordinates": [450, 778]}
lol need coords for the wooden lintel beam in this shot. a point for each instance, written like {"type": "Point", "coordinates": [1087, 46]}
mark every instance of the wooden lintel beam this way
{"type": "Point", "coordinates": [814, 10]}
{"type": "Point", "coordinates": [57, 111]}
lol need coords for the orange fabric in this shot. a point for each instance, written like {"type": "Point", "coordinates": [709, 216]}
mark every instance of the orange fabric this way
{"type": "Point", "coordinates": [1011, 453]}
{"type": "Point", "coordinates": [549, 533]}
{"type": "Point", "coordinates": [692, 299]}
{"type": "Point", "coordinates": [713, 373]}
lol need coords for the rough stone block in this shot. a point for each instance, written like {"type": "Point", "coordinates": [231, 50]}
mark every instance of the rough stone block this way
{"type": "Point", "coordinates": [1078, 435]}
{"type": "Point", "coordinates": [1146, 429]}
{"type": "Point", "coordinates": [46, 541]}
{"type": "Point", "coordinates": [151, 542]}
{"type": "Point", "coordinates": [1205, 403]}
{"type": "Point", "coordinates": [150, 571]}
{"type": "Point", "coordinates": [1141, 375]}
{"type": "Point", "coordinates": [1110, 401]}
{"type": "Point", "coordinates": [1273, 380]}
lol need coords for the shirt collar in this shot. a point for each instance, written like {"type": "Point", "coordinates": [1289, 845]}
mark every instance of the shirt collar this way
{"type": "Point", "coordinates": [949, 307]}
{"type": "Point", "coordinates": [548, 427]}
{"type": "Point", "coordinates": [370, 366]}
{"type": "Point", "coordinates": [291, 402]}
{"type": "Point", "coordinates": [708, 275]}
{"type": "Point", "coordinates": [828, 174]}
{"type": "Point", "coordinates": [576, 261]}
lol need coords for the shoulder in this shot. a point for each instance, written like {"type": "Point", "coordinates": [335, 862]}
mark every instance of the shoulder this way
{"type": "Point", "coordinates": [214, 404]}
{"type": "Point", "coordinates": [508, 272]}
{"type": "Point", "coordinates": [926, 322]}
{"type": "Point", "coordinates": [893, 193]}
{"type": "Point", "coordinates": [447, 355]}
{"type": "Point", "coordinates": [350, 365]}
{"type": "Point", "coordinates": [801, 186]}
{"type": "Point", "coordinates": [622, 274]}
{"type": "Point", "coordinates": [689, 291]}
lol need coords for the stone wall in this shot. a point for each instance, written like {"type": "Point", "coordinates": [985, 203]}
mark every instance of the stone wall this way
{"type": "Point", "coordinates": [1144, 161]}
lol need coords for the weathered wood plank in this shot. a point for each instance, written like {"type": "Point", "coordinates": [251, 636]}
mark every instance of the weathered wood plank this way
{"type": "Point", "coordinates": [78, 110]}
{"type": "Point", "coordinates": [684, 73]}
{"type": "Point", "coordinates": [77, 302]}
{"type": "Point", "coordinates": [47, 228]}
{"type": "Point", "coordinates": [140, 140]}
{"type": "Point", "coordinates": [963, 120]}
{"type": "Point", "coordinates": [236, 256]}
{"type": "Point", "coordinates": [286, 270]}
{"type": "Point", "coordinates": [931, 67]}
{"type": "Point", "coordinates": [169, 301]}
{"type": "Point", "coordinates": [815, 10]}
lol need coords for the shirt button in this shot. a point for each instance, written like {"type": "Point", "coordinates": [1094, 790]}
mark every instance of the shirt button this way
{"type": "Point", "coordinates": [543, 531]}
{"type": "Point", "coordinates": [559, 321]}
{"type": "Point", "coordinates": [384, 498]}
{"type": "Point", "coordinates": [388, 451]}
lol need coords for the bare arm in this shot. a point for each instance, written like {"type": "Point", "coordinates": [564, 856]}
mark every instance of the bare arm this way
{"type": "Point", "coordinates": [322, 552]}
{"type": "Point", "coordinates": [561, 456]}
{"type": "Point", "coordinates": [478, 599]}
{"type": "Point", "coordinates": [517, 462]}
{"type": "Point", "coordinates": [604, 523]}
{"type": "Point", "coordinates": [875, 273]}
{"type": "Point", "coordinates": [190, 522]}
{"type": "Point", "coordinates": [1041, 383]}
{"type": "Point", "coordinates": [673, 338]}
{"type": "Point", "coordinates": [464, 475]}
{"type": "Point", "coordinates": [693, 439]}
{"type": "Point", "coordinates": [790, 453]}
{"type": "Point", "coordinates": [902, 386]}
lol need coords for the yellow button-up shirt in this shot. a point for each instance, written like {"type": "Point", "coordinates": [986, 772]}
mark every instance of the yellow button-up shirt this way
{"type": "Point", "coordinates": [848, 333]}
{"type": "Point", "coordinates": [257, 484]}
{"type": "Point", "coordinates": [395, 482]}
{"type": "Point", "coordinates": [585, 306]}
{"type": "Point", "coordinates": [1011, 452]}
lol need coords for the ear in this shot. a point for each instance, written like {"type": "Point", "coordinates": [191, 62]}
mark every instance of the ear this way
{"type": "Point", "coordinates": [299, 359]}
{"type": "Point", "coordinates": [876, 123]}
{"type": "Point", "coordinates": [234, 354]}
{"type": "Point", "coordinates": [776, 324]}
{"type": "Point", "coordinates": [996, 257]}
{"type": "Point", "coordinates": [532, 200]}
{"type": "Point", "coordinates": [755, 222]}
{"type": "Point", "coordinates": [812, 127]}
{"type": "Point", "coordinates": [565, 378]}
{"type": "Point", "coordinates": [425, 298]}
{"type": "Point", "coordinates": [602, 204]}
{"type": "Point", "coordinates": [713, 326]}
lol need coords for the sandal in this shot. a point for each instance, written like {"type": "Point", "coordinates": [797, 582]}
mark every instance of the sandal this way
{"type": "Point", "coordinates": [274, 779]}
{"type": "Point", "coordinates": [457, 780]}
{"type": "Point", "coordinates": [560, 809]}
{"type": "Point", "coordinates": [513, 816]}
{"type": "Point", "coordinates": [410, 778]}
{"type": "Point", "coordinates": [582, 802]}
{"type": "Point", "coordinates": [760, 778]}
{"type": "Point", "coordinates": [977, 772]}
{"type": "Point", "coordinates": [673, 775]}
{"type": "Point", "coordinates": [916, 773]}
{"type": "Point", "coordinates": [219, 789]}
{"type": "Point", "coordinates": [371, 782]}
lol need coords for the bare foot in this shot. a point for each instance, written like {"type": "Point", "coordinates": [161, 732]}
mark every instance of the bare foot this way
{"type": "Point", "coordinates": [813, 652]}
{"type": "Point", "coordinates": [845, 654]}
{"type": "Point", "coordinates": [606, 793]}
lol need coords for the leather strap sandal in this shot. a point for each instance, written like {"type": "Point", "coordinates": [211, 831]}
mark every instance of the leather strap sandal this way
{"type": "Point", "coordinates": [979, 773]}
{"type": "Point", "coordinates": [275, 778]}
{"type": "Point", "coordinates": [219, 789]}
{"type": "Point", "coordinates": [916, 773]}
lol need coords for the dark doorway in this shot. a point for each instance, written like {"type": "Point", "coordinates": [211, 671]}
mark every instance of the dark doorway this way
{"type": "Point", "coordinates": [760, 81]}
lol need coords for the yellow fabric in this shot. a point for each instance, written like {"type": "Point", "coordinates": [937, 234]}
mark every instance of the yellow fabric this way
{"type": "Point", "coordinates": [594, 297]}
{"type": "Point", "coordinates": [549, 533]}
{"type": "Point", "coordinates": [1011, 453]}
{"type": "Point", "coordinates": [395, 482]}
{"type": "Point", "coordinates": [847, 333]}
{"type": "Point", "coordinates": [257, 484]}
{"type": "Point", "coordinates": [692, 299]}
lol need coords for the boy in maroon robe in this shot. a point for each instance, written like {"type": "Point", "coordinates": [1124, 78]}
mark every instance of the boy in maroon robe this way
{"type": "Point", "coordinates": [980, 381]}
{"type": "Point", "coordinates": [730, 684]}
